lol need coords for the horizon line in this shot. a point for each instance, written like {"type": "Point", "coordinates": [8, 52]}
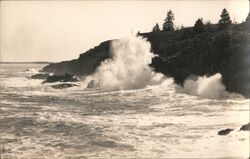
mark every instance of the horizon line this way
{"type": "Point", "coordinates": [26, 62]}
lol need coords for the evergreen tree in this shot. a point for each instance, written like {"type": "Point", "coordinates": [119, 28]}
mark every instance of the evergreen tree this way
{"type": "Point", "coordinates": [225, 19]}
{"type": "Point", "coordinates": [199, 27]}
{"type": "Point", "coordinates": [156, 28]}
{"type": "Point", "coordinates": [168, 25]}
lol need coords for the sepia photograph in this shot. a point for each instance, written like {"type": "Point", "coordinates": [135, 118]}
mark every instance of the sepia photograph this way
{"type": "Point", "coordinates": [124, 79]}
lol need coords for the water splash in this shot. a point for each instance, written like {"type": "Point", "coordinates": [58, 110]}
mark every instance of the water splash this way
{"type": "Point", "coordinates": [129, 66]}
{"type": "Point", "coordinates": [208, 87]}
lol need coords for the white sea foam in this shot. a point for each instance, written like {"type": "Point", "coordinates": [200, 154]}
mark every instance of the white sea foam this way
{"type": "Point", "coordinates": [155, 122]}
{"type": "Point", "coordinates": [20, 82]}
{"type": "Point", "coordinates": [31, 70]}
{"type": "Point", "coordinates": [129, 66]}
{"type": "Point", "coordinates": [208, 87]}
{"type": "Point", "coordinates": [2, 70]}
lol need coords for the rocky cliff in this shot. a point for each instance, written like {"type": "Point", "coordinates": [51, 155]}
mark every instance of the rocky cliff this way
{"type": "Point", "coordinates": [183, 53]}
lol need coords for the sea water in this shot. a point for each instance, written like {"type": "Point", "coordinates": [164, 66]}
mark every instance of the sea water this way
{"type": "Point", "coordinates": [160, 121]}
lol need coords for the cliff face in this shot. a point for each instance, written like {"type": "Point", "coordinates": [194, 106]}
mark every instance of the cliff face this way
{"type": "Point", "coordinates": [85, 64]}
{"type": "Point", "coordinates": [183, 53]}
{"type": "Point", "coordinates": [226, 51]}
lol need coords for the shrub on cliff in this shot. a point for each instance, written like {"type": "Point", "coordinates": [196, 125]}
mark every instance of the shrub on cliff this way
{"type": "Point", "coordinates": [156, 28]}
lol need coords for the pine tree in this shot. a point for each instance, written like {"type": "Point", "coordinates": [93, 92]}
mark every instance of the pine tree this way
{"type": "Point", "coordinates": [225, 19]}
{"type": "Point", "coordinates": [156, 28]}
{"type": "Point", "coordinates": [168, 25]}
{"type": "Point", "coordinates": [199, 27]}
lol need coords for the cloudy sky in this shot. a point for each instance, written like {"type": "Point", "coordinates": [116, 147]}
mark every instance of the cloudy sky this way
{"type": "Point", "coordinates": [61, 30]}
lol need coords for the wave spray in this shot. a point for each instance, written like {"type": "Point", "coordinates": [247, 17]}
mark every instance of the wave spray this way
{"type": "Point", "coordinates": [129, 66]}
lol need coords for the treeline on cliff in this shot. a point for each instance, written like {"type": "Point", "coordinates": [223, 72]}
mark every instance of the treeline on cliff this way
{"type": "Point", "coordinates": [226, 51]}
{"type": "Point", "coordinates": [204, 49]}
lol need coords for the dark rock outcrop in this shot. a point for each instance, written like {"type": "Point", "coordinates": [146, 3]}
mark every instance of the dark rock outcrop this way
{"type": "Point", "coordinates": [40, 76]}
{"type": "Point", "coordinates": [64, 85]}
{"type": "Point", "coordinates": [245, 127]}
{"type": "Point", "coordinates": [226, 52]}
{"type": "Point", "coordinates": [183, 53]}
{"type": "Point", "coordinates": [85, 64]}
{"type": "Point", "coordinates": [93, 84]}
{"type": "Point", "coordinates": [61, 78]}
{"type": "Point", "coordinates": [225, 131]}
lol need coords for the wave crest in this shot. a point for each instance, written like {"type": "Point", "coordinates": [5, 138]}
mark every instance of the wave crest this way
{"type": "Point", "coordinates": [208, 87]}
{"type": "Point", "coordinates": [129, 66]}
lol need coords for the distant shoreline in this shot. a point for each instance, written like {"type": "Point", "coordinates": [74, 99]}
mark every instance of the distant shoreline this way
{"type": "Point", "coordinates": [39, 62]}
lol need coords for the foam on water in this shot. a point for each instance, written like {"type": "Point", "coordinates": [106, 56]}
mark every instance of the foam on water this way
{"type": "Point", "coordinates": [31, 71]}
{"type": "Point", "coordinates": [20, 82]}
{"type": "Point", "coordinates": [208, 87]}
{"type": "Point", "coordinates": [158, 121]}
{"type": "Point", "coordinates": [129, 66]}
{"type": "Point", "coordinates": [2, 70]}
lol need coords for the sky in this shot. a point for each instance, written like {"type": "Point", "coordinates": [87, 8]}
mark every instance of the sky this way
{"type": "Point", "coordinates": [61, 30]}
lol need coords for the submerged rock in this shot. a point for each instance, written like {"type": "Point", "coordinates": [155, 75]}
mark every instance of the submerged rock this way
{"type": "Point", "coordinates": [40, 76]}
{"type": "Point", "coordinates": [245, 127]}
{"type": "Point", "coordinates": [225, 131]}
{"type": "Point", "coordinates": [93, 84]}
{"type": "Point", "coordinates": [62, 86]}
{"type": "Point", "coordinates": [61, 78]}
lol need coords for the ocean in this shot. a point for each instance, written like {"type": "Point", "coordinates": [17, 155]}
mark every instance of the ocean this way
{"type": "Point", "coordinates": [158, 121]}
